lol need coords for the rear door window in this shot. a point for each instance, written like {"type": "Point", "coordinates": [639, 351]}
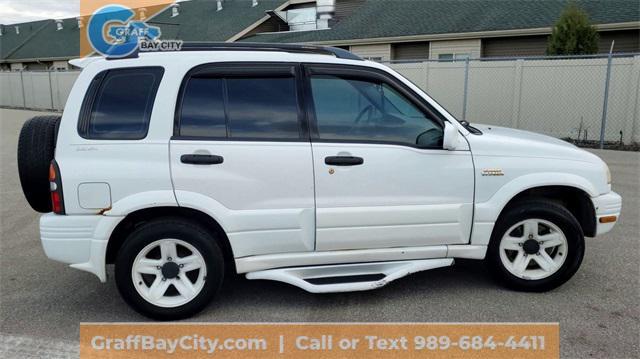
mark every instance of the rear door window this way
{"type": "Point", "coordinates": [202, 111]}
{"type": "Point", "coordinates": [237, 104]}
{"type": "Point", "coordinates": [262, 108]}
{"type": "Point", "coordinates": [118, 104]}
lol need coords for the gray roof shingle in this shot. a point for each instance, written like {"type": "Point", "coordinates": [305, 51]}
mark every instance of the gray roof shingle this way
{"type": "Point", "coordinates": [386, 18]}
{"type": "Point", "coordinates": [198, 21]}
{"type": "Point", "coordinates": [40, 38]}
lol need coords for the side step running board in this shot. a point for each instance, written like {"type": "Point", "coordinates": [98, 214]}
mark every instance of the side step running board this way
{"type": "Point", "coordinates": [348, 277]}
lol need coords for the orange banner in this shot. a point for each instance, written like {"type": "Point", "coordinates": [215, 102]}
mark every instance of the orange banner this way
{"type": "Point", "coordinates": [141, 10]}
{"type": "Point", "coordinates": [335, 340]}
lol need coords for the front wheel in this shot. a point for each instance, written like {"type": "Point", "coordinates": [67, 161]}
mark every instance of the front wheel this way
{"type": "Point", "coordinates": [169, 269]}
{"type": "Point", "coordinates": [536, 246]}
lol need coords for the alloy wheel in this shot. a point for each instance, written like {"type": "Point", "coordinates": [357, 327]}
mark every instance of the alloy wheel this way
{"type": "Point", "coordinates": [169, 273]}
{"type": "Point", "coordinates": [533, 249]}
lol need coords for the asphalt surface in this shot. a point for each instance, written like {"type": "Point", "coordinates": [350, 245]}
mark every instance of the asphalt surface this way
{"type": "Point", "coordinates": [42, 302]}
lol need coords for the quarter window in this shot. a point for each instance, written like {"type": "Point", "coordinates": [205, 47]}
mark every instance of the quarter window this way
{"type": "Point", "coordinates": [360, 110]}
{"type": "Point", "coordinates": [118, 104]}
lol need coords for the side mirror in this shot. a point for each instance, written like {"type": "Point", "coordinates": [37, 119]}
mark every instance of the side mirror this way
{"type": "Point", "coordinates": [451, 137]}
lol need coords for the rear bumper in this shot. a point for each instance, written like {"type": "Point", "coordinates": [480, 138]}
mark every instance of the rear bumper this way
{"type": "Point", "coordinates": [80, 241]}
{"type": "Point", "coordinates": [607, 205]}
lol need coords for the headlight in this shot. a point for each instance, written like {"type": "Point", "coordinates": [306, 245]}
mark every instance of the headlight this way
{"type": "Point", "coordinates": [608, 174]}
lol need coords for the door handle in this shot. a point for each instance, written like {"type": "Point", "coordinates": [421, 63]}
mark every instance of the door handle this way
{"type": "Point", "coordinates": [201, 159]}
{"type": "Point", "coordinates": [343, 160]}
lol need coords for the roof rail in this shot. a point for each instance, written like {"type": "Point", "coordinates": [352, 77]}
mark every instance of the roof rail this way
{"type": "Point", "coordinates": [252, 46]}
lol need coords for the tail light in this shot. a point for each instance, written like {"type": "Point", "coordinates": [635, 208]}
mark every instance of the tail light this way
{"type": "Point", "coordinates": [55, 184]}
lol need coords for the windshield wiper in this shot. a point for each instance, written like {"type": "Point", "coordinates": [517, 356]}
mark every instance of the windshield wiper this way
{"type": "Point", "coordinates": [470, 128]}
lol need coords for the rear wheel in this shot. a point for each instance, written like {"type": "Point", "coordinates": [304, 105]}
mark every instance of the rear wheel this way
{"type": "Point", "coordinates": [536, 246]}
{"type": "Point", "coordinates": [169, 269]}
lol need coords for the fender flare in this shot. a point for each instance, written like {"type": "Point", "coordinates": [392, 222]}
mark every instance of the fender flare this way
{"type": "Point", "coordinates": [490, 210]}
{"type": "Point", "coordinates": [142, 200]}
{"type": "Point", "coordinates": [487, 213]}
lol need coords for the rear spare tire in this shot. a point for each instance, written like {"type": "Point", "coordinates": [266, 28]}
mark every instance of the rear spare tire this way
{"type": "Point", "coordinates": [36, 147]}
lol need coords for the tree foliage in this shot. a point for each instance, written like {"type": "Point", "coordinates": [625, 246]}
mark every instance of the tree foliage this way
{"type": "Point", "coordinates": [573, 34]}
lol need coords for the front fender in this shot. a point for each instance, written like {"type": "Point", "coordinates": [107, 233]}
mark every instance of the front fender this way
{"type": "Point", "coordinates": [490, 210]}
{"type": "Point", "coordinates": [486, 213]}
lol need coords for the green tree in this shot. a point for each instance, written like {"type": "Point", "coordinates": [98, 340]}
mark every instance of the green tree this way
{"type": "Point", "coordinates": [573, 33]}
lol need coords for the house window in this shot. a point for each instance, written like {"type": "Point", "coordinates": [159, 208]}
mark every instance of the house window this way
{"type": "Point", "coordinates": [454, 57]}
{"type": "Point", "coordinates": [373, 58]}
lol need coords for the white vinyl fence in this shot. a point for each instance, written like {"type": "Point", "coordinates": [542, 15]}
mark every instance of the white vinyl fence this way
{"type": "Point", "coordinates": [40, 90]}
{"type": "Point", "coordinates": [564, 98]}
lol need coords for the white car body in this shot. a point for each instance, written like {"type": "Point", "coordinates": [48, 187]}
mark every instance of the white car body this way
{"type": "Point", "coordinates": [280, 206]}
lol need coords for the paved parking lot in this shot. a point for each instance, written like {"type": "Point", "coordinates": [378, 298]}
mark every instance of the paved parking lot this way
{"type": "Point", "coordinates": [42, 302]}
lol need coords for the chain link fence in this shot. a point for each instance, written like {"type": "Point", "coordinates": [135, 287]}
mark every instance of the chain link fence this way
{"type": "Point", "coordinates": [593, 101]}
{"type": "Point", "coordinates": [589, 100]}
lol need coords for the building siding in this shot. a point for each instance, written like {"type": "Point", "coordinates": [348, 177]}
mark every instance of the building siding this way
{"type": "Point", "coordinates": [410, 51]}
{"type": "Point", "coordinates": [626, 41]}
{"type": "Point", "coordinates": [454, 47]}
{"type": "Point", "coordinates": [514, 46]}
{"type": "Point", "coordinates": [374, 52]}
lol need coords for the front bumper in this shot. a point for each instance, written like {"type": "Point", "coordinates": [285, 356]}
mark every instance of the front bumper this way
{"type": "Point", "coordinates": [606, 205]}
{"type": "Point", "coordinates": [80, 241]}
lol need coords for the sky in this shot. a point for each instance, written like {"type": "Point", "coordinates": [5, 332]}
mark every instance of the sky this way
{"type": "Point", "coordinates": [15, 11]}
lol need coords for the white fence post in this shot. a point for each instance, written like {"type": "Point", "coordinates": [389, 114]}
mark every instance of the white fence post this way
{"type": "Point", "coordinates": [24, 98]}
{"type": "Point", "coordinates": [465, 97]}
{"type": "Point", "coordinates": [517, 89]}
{"type": "Point", "coordinates": [634, 105]}
{"type": "Point", "coordinates": [60, 106]}
{"type": "Point", "coordinates": [51, 91]}
{"type": "Point", "coordinates": [426, 76]}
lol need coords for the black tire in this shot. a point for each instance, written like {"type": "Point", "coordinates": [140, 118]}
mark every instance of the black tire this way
{"type": "Point", "coordinates": [175, 228]}
{"type": "Point", "coordinates": [36, 148]}
{"type": "Point", "coordinates": [545, 210]}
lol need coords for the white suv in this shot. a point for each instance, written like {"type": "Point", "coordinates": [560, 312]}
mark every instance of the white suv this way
{"type": "Point", "coordinates": [300, 164]}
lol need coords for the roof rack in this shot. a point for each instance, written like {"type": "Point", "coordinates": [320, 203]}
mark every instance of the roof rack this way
{"type": "Point", "coordinates": [252, 46]}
